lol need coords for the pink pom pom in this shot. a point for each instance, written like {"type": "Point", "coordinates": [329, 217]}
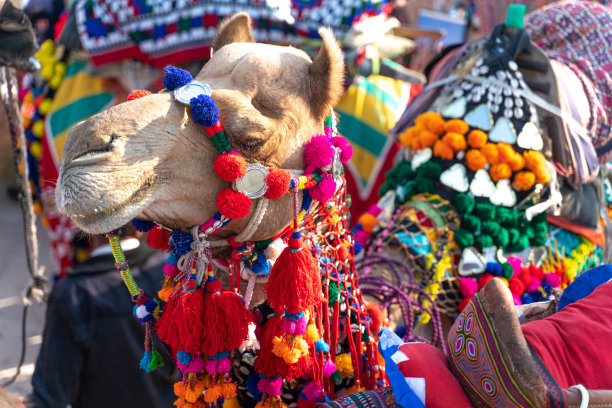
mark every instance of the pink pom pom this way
{"type": "Point", "coordinates": [533, 285]}
{"type": "Point", "coordinates": [224, 366]}
{"type": "Point", "coordinates": [324, 190]}
{"type": "Point", "coordinates": [342, 144]}
{"type": "Point", "coordinates": [171, 270]}
{"type": "Point", "coordinates": [270, 386]}
{"type": "Point", "coordinates": [301, 326]}
{"type": "Point", "coordinates": [362, 237]}
{"type": "Point", "coordinates": [319, 152]}
{"type": "Point", "coordinates": [311, 391]}
{"type": "Point", "coordinates": [211, 367]}
{"type": "Point", "coordinates": [375, 210]}
{"type": "Point", "coordinates": [195, 366]}
{"type": "Point", "coordinates": [468, 287]}
{"type": "Point", "coordinates": [329, 368]}
{"type": "Point", "coordinates": [516, 264]}
{"type": "Point", "coordinates": [289, 326]}
{"type": "Point", "coordinates": [517, 300]}
{"type": "Point", "coordinates": [552, 279]}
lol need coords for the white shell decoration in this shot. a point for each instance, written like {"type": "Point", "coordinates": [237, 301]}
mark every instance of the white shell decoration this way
{"type": "Point", "coordinates": [480, 117]}
{"type": "Point", "coordinates": [454, 109]}
{"type": "Point", "coordinates": [421, 157]}
{"type": "Point", "coordinates": [482, 185]}
{"type": "Point", "coordinates": [471, 263]}
{"type": "Point", "coordinates": [503, 132]}
{"type": "Point", "coordinates": [504, 194]}
{"type": "Point", "coordinates": [530, 137]}
{"type": "Point", "coordinates": [455, 177]}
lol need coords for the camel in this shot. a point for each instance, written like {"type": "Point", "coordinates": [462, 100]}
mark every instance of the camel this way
{"type": "Point", "coordinates": [148, 159]}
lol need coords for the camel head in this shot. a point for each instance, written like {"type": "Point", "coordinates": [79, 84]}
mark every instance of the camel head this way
{"type": "Point", "coordinates": [147, 158]}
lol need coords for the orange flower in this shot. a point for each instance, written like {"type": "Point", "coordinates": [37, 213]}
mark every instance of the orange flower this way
{"type": "Point", "coordinates": [477, 138]}
{"type": "Point", "coordinates": [505, 152]}
{"type": "Point", "coordinates": [424, 118]}
{"type": "Point", "coordinates": [427, 138]}
{"type": "Point", "coordinates": [415, 144]}
{"type": "Point", "coordinates": [456, 126]}
{"type": "Point", "coordinates": [524, 180]}
{"type": "Point", "coordinates": [542, 173]}
{"type": "Point", "coordinates": [533, 159]}
{"type": "Point", "coordinates": [407, 136]}
{"type": "Point", "coordinates": [500, 171]}
{"type": "Point", "coordinates": [516, 162]}
{"type": "Point", "coordinates": [435, 124]}
{"type": "Point", "coordinates": [455, 140]}
{"type": "Point", "coordinates": [443, 151]}
{"type": "Point", "coordinates": [489, 151]}
{"type": "Point", "coordinates": [475, 160]}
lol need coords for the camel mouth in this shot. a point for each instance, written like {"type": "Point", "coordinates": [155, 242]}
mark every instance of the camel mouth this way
{"type": "Point", "coordinates": [104, 220]}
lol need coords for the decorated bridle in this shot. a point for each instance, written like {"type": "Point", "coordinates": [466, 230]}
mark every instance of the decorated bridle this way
{"type": "Point", "coordinates": [293, 286]}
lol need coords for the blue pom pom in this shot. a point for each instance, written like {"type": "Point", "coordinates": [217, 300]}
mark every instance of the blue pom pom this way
{"type": "Point", "coordinates": [251, 383]}
{"type": "Point", "coordinates": [260, 266]}
{"type": "Point", "coordinates": [142, 225]}
{"type": "Point", "coordinates": [537, 296]}
{"type": "Point", "coordinates": [150, 305]}
{"type": "Point", "coordinates": [495, 269]}
{"type": "Point", "coordinates": [146, 361]}
{"type": "Point", "coordinates": [321, 345]}
{"type": "Point", "coordinates": [358, 248]}
{"type": "Point", "coordinates": [220, 355]}
{"type": "Point", "coordinates": [204, 110]}
{"type": "Point", "coordinates": [526, 298]}
{"type": "Point", "coordinates": [183, 357]}
{"type": "Point", "coordinates": [180, 242]}
{"type": "Point", "coordinates": [172, 259]}
{"type": "Point", "coordinates": [174, 78]}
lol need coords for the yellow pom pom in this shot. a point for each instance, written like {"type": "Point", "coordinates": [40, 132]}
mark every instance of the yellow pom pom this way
{"type": "Point", "coordinates": [45, 106]}
{"type": "Point", "coordinates": [60, 68]}
{"type": "Point", "coordinates": [312, 334]}
{"type": "Point", "coordinates": [38, 128]}
{"type": "Point", "coordinates": [456, 126]}
{"type": "Point", "coordinates": [231, 403]}
{"type": "Point", "coordinates": [36, 149]}
{"type": "Point", "coordinates": [55, 82]}
{"type": "Point", "coordinates": [166, 290]}
{"type": "Point", "coordinates": [29, 98]}
{"type": "Point", "coordinates": [368, 222]}
{"type": "Point", "coordinates": [281, 349]}
{"type": "Point", "coordinates": [504, 280]}
{"type": "Point", "coordinates": [47, 47]}
{"type": "Point", "coordinates": [344, 364]}
{"type": "Point", "coordinates": [47, 72]}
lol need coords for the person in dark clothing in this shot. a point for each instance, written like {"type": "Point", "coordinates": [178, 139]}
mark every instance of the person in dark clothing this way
{"type": "Point", "coordinates": [92, 344]}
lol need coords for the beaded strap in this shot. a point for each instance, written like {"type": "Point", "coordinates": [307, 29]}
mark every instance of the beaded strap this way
{"type": "Point", "coordinates": [122, 265]}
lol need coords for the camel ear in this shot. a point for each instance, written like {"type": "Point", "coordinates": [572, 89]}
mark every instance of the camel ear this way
{"type": "Point", "coordinates": [325, 82]}
{"type": "Point", "coordinates": [234, 29]}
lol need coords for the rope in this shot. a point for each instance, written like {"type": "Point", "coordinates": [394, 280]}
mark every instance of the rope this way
{"type": "Point", "coordinates": [255, 221]}
{"type": "Point", "coordinates": [122, 265]}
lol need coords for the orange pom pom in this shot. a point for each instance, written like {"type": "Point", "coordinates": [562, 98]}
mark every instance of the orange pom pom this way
{"type": "Point", "coordinates": [424, 118]}
{"type": "Point", "coordinates": [427, 138]}
{"type": "Point", "coordinates": [415, 144]}
{"type": "Point", "coordinates": [542, 173]}
{"type": "Point", "coordinates": [516, 162]}
{"type": "Point", "coordinates": [435, 124]}
{"type": "Point", "coordinates": [524, 180]}
{"type": "Point", "coordinates": [443, 151]}
{"type": "Point", "coordinates": [491, 153]}
{"type": "Point", "coordinates": [455, 140]}
{"type": "Point", "coordinates": [456, 126]}
{"type": "Point", "coordinates": [475, 160]}
{"type": "Point", "coordinates": [505, 152]}
{"type": "Point", "coordinates": [533, 159]}
{"type": "Point", "coordinates": [407, 136]}
{"type": "Point", "coordinates": [477, 139]}
{"type": "Point", "coordinates": [138, 93]}
{"type": "Point", "coordinates": [500, 171]}
{"type": "Point", "coordinates": [368, 222]}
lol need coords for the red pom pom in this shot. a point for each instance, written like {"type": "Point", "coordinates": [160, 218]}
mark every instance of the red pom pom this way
{"type": "Point", "coordinates": [377, 315]}
{"type": "Point", "coordinates": [517, 287]}
{"type": "Point", "coordinates": [226, 320]}
{"type": "Point", "coordinates": [181, 323]}
{"type": "Point", "coordinates": [269, 364]}
{"type": "Point", "coordinates": [158, 237]}
{"type": "Point", "coordinates": [295, 281]}
{"type": "Point", "coordinates": [536, 272]}
{"type": "Point", "coordinates": [232, 204]}
{"type": "Point", "coordinates": [483, 280]}
{"type": "Point", "coordinates": [139, 93]}
{"type": "Point", "coordinates": [230, 167]}
{"type": "Point", "coordinates": [278, 183]}
{"type": "Point", "coordinates": [464, 303]}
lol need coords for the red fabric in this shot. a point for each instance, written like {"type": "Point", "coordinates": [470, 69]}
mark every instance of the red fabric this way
{"type": "Point", "coordinates": [575, 344]}
{"type": "Point", "coordinates": [428, 362]}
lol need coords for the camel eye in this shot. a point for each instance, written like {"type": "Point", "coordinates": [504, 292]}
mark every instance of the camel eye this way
{"type": "Point", "coordinates": [250, 143]}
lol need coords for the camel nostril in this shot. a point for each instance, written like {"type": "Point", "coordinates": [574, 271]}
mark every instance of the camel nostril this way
{"type": "Point", "coordinates": [95, 155]}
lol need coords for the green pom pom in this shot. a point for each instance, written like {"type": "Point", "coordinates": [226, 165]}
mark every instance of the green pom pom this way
{"type": "Point", "coordinates": [540, 218]}
{"type": "Point", "coordinates": [539, 239]}
{"type": "Point", "coordinates": [336, 377]}
{"type": "Point", "coordinates": [483, 241]}
{"type": "Point", "coordinates": [464, 203]}
{"type": "Point", "coordinates": [507, 270]}
{"type": "Point", "coordinates": [490, 228]}
{"type": "Point", "coordinates": [485, 211]}
{"type": "Point", "coordinates": [333, 292]}
{"type": "Point", "coordinates": [520, 245]}
{"type": "Point", "coordinates": [423, 184]}
{"type": "Point", "coordinates": [430, 170]}
{"type": "Point", "coordinates": [513, 235]}
{"type": "Point", "coordinates": [386, 187]}
{"type": "Point", "coordinates": [529, 232]}
{"type": "Point", "coordinates": [522, 223]}
{"type": "Point", "coordinates": [541, 227]}
{"type": "Point", "coordinates": [463, 238]}
{"type": "Point", "coordinates": [470, 223]}
{"type": "Point", "coordinates": [405, 172]}
{"type": "Point", "coordinates": [156, 360]}
{"type": "Point", "coordinates": [501, 238]}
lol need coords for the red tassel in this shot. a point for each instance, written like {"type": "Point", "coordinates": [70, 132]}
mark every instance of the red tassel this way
{"type": "Point", "coordinates": [157, 238]}
{"type": "Point", "coordinates": [226, 319]}
{"type": "Point", "coordinates": [181, 323]}
{"type": "Point", "coordinates": [269, 364]}
{"type": "Point", "coordinates": [295, 280]}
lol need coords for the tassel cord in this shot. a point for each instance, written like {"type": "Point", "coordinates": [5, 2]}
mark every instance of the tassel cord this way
{"type": "Point", "coordinates": [122, 265]}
